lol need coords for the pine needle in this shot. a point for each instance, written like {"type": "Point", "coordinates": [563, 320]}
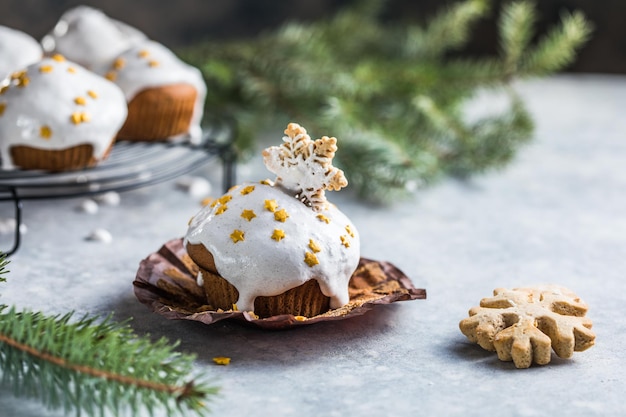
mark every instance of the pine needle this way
{"type": "Point", "coordinates": [95, 366]}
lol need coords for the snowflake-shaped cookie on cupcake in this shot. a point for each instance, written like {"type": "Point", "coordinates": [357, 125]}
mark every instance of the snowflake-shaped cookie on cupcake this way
{"type": "Point", "coordinates": [279, 247]}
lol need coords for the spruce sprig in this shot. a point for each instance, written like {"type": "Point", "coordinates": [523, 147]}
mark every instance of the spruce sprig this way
{"type": "Point", "coordinates": [392, 93]}
{"type": "Point", "coordinates": [95, 367]}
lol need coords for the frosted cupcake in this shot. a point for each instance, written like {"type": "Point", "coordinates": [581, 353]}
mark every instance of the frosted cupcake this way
{"type": "Point", "coordinates": [17, 50]}
{"type": "Point", "coordinates": [279, 247]}
{"type": "Point", "coordinates": [56, 115]}
{"type": "Point", "coordinates": [165, 96]}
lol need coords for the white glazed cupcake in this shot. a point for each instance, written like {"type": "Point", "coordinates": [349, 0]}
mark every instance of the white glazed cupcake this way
{"type": "Point", "coordinates": [279, 248]}
{"type": "Point", "coordinates": [56, 115]}
{"type": "Point", "coordinates": [17, 50]}
{"type": "Point", "coordinates": [165, 95]}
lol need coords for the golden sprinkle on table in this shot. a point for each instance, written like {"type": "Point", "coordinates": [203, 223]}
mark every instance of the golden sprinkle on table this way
{"type": "Point", "coordinates": [278, 235]}
{"type": "Point", "coordinates": [221, 360]}
{"type": "Point", "coordinates": [248, 214]}
{"type": "Point", "coordinates": [310, 259]}
{"type": "Point", "coordinates": [80, 101]}
{"type": "Point", "coordinates": [300, 318]}
{"type": "Point", "coordinates": [46, 68]}
{"type": "Point", "coordinates": [45, 132]}
{"type": "Point", "coordinates": [281, 215]}
{"type": "Point", "coordinates": [92, 94]}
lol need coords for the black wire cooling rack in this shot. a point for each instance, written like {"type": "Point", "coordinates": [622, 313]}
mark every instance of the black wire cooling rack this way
{"type": "Point", "coordinates": [130, 165]}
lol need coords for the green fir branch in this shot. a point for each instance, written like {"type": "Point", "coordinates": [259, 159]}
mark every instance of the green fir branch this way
{"type": "Point", "coordinates": [95, 367]}
{"type": "Point", "coordinates": [558, 48]}
{"type": "Point", "coordinates": [361, 80]}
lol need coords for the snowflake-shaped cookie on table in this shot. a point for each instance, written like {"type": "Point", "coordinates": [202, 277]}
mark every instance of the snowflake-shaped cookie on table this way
{"type": "Point", "coordinates": [522, 324]}
{"type": "Point", "coordinates": [304, 167]}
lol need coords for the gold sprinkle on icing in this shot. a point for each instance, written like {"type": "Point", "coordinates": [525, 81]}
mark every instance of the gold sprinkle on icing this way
{"type": "Point", "coordinates": [278, 235]}
{"type": "Point", "coordinates": [3, 89]}
{"type": "Point", "coordinates": [58, 57]}
{"type": "Point", "coordinates": [45, 132]}
{"type": "Point", "coordinates": [323, 218]}
{"type": "Point", "coordinates": [153, 63]}
{"type": "Point", "coordinates": [71, 70]}
{"type": "Point", "coordinates": [75, 118]}
{"type": "Point", "coordinates": [84, 117]}
{"type": "Point", "coordinates": [214, 203]}
{"type": "Point", "coordinates": [310, 259]}
{"type": "Point", "coordinates": [92, 94]}
{"type": "Point", "coordinates": [281, 215]}
{"type": "Point", "coordinates": [3, 107]}
{"type": "Point", "coordinates": [248, 215]}
{"type": "Point", "coordinates": [271, 205]}
{"type": "Point", "coordinates": [18, 74]}
{"type": "Point", "coordinates": [46, 68]}
{"type": "Point", "coordinates": [81, 101]}
{"type": "Point", "coordinates": [111, 76]}
{"type": "Point", "coordinates": [225, 199]}
{"type": "Point", "coordinates": [345, 242]}
{"type": "Point", "coordinates": [79, 117]}
{"type": "Point", "coordinates": [221, 209]}
{"type": "Point", "coordinates": [119, 63]}
{"type": "Point", "coordinates": [266, 182]}
{"type": "Point", "coordinates": [23, 81]}
{"type": "Point", "coordinates": [314, 246]}
{"type": "Point", "coordinates": [208, 200]}
{"type": "Point", "coordinates": [237, 236]}
{"type": "Point", "coordinates": [247, 190]}
{"type": "Point", "coordinates": [143, 53]}
{"type": "Point", "coordinates": [350, 231]}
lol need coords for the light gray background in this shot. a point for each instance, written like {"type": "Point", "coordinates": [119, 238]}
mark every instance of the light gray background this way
{"type": "Point", "coordinates": [557, 214]}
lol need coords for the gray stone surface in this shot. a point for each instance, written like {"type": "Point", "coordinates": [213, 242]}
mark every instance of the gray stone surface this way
{"type": "Point", "coordinates": [557, 214]}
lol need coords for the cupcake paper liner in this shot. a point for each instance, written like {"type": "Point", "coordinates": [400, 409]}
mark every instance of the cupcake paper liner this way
{"type": "Point", "coordinates": [166, 283]}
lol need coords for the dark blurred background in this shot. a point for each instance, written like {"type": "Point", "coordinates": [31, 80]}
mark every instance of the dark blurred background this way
{"type": "Point", "coordinates": [184, 22]}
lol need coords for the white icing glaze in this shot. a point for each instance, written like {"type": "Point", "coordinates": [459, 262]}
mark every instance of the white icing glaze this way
{"type": "Point", "coordinates": [89, 37]}
{"type": "Point", "coordinates": [259, 265]}
{"type": "Point", "coordinates": [150, 64]}
{"type": "Point", "coordinates": [38, 112]}
{"type": "Point", "coordinates": [17, 50]}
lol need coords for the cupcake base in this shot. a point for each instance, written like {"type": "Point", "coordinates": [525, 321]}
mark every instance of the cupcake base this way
{"type": "Point", "coordinates": [305, 300]}
{"type": "Point", "coordinates": [159, 113]}
{"type": "Point", "coordinates": [55, 160]}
